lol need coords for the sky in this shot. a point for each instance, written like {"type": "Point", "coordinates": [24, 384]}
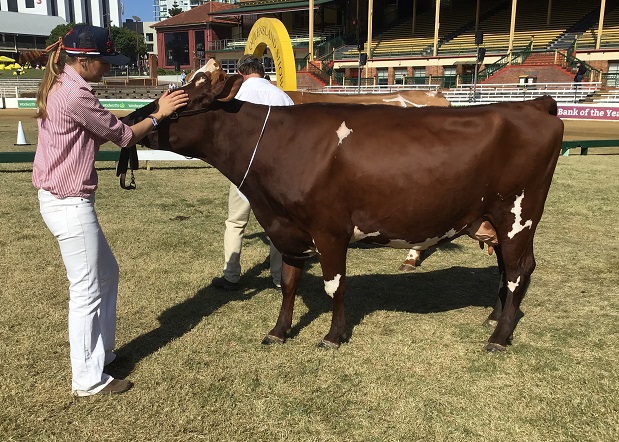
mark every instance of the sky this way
{"type": "Point", "coordinates": [141, 8]}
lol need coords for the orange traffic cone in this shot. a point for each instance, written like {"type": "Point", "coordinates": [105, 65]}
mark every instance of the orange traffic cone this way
{"type": "Point", "coordinates": [21, 136]}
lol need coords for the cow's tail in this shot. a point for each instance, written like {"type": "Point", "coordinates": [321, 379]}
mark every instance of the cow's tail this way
{"type": "Point", "coordinates": [546, 104]}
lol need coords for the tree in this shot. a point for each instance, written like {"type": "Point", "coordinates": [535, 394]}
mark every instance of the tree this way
{"type": "Point", "coordinates": [58, 31]}
{"type": "Point", "coordinates": [125, 41]}
{"type": "Point", "coordinates": [174, 10]}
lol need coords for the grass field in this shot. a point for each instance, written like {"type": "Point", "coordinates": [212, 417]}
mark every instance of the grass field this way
{"type": "Point", "coordinates": [414, 369]}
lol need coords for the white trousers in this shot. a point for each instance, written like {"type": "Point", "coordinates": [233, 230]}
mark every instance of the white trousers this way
{"type": "Point", "coordinates": [238, 217]}
{"type": "Point", "coordinates": [92, 272]}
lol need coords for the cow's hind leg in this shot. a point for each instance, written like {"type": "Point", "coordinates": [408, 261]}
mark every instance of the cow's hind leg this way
{"type": "Point", "coordinates": [291, 273]}
{"type": "Point", "coordinates": [516, 267]}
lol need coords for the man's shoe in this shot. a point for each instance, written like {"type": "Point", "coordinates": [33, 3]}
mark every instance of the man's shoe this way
{"type": "Point", "coordinates": [277, 286]}
{"type": "Point", "coordinates": [117, 386]}
{"type": "Point", "coordinates": [222, 283]}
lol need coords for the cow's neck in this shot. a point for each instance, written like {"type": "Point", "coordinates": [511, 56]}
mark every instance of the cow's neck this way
{"type": "Point", "coordinates": [237, 137]}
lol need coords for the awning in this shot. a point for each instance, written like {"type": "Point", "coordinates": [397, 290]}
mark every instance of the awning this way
{"type": "Point", "coordinates": [261, 7]}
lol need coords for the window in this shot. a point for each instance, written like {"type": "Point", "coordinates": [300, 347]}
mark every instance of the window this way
{"type": "Point", "coordinates": [612, 78]}
{"type": "Point", "coordinates": [30, 4]}
{"type": "Point", "coordinates": [148, 36]}
{"type": "Point", "coordinates": [176, 48]}
{"type": "Point", "coordinates": [199, 39]}
{"type": "Point", "coordinates": [399, 74]}
{"type": "Point", "coordinates": [12, 5]}
{"type": "Point", "coordinates": [449, 77]}
{"type": "Point", "coordinates": [419, 75]}
{"type": "Point", "coordinates": [229, 66]}
{"type": "Point", "coordinates": [382, 75]}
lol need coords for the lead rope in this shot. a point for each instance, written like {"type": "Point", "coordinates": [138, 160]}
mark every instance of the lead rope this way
{"type": "Point", "coordinates": [255, 148]}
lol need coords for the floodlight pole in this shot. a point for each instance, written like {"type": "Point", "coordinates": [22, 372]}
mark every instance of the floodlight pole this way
{"type": "Point", "coordinates": [475, 74]}
{"type": "Point", "coordinates": [359, 74]}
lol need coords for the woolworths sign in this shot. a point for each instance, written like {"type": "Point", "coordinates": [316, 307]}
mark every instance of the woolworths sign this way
{"type": "Point", "coordinates": [30, 103]}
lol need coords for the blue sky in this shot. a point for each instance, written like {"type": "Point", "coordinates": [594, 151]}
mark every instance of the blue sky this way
{"type": "Point", "coordinates": [141, 8]}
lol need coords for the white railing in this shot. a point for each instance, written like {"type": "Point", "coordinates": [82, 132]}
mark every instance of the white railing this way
{"type": "Point", "coordinates": [377, 88]}
{"type": "Point", "coordinates": [494, 93]}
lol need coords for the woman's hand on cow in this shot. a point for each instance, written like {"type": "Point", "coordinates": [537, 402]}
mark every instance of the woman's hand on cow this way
{"type": "Point", "coordinates": [169, 102]}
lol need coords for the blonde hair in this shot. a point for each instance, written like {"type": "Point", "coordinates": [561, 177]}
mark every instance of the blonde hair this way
{"type": "Point", "coordinates": [56, 61]}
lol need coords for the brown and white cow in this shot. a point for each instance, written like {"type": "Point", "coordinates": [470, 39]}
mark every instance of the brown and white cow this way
{"type": "Point", "coordinates": [400, 99]}
{"type": "Point", "coordinates": [318, 175]}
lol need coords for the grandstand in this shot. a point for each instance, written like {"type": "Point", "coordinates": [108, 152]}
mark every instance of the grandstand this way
{"type": "Point", "coordinates": [587, 39]}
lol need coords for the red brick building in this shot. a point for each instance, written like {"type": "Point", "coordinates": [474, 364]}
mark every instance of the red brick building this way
{"type": "Point", "coordinates": [182, 40]}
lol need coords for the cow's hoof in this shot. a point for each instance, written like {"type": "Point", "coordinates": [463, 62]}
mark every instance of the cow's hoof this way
{"type": "Point", "coordinates": [326, 345]}
{"type": "Point", "coordinates": [490, 323]}
{"type": "Point", "coordinates": [407, 268]}
{"type": "Point", "coordinates": [270, 340]}
{"type": "Point", "coordinates": [494, 347]}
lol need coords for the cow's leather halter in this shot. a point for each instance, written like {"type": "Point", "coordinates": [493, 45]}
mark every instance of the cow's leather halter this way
{"type": "Point", "coordinates": [128, 160]}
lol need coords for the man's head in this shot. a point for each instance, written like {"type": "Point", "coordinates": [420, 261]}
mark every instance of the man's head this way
{"type": "Point", "coordinates": [249, 64]}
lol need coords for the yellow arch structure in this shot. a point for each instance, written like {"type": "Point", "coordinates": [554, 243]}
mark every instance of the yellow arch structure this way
{"type": "Point", "coordinates": [272, 33]}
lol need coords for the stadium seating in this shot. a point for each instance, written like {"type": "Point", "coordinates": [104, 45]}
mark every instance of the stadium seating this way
{"type": "Point", "coordinates": [531, 26]}
{"type": "Point", "coordinates": [610, 32]}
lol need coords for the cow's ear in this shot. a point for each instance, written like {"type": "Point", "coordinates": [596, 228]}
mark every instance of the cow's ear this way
{"type": "Point", "coordinates": [217, 76]}
{"type": "Point", "coordinates": [230, 88]}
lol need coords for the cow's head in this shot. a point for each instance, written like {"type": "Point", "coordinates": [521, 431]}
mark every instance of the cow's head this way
{"type": "Point", "coordinates": [208, 87]}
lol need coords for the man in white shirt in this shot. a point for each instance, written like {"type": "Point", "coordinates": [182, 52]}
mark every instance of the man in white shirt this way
{"type": "Point", "coordinates": [255, 89]}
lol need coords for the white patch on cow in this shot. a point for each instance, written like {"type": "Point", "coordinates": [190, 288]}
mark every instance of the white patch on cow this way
{"type": "Point", "coordinates": [211, 66]}
{"type": "Point", "coordinates": [332, 286]}
{"type": "Point", "coordinates": [403, 101]}
{"type": "Point", "coordinates": [402, 244]}
{"type": "Point", "coordinates": [518, 226]}
{"type": "Point", "coordinates": [431, 93]}
{"type": "Point", "coordinates": [482, 198]}
{"type": "Point", "coordinates": [358, 235]}
{"type": "Point", "coordinates": [513, 285]}
{"type": "Point", "coordinates": [342, 132]}
{"type": "Point", "coordinates": [200, 82]}
{"type": "Point", "coordinates": [311, 251]}
{"type": "Point", "coordinates": [413, 255]}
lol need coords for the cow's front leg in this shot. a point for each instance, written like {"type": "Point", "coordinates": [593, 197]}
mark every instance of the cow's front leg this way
{"type": "Point", "coordinates": [333, 263]}
{"type": "Point", "coordinates": [495, 315]}
{"type": "Point", "coordinates": [291, 273]}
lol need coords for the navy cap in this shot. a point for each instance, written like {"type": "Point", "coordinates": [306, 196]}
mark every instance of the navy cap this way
{"type": "Point", "coordinates": [93, 41]}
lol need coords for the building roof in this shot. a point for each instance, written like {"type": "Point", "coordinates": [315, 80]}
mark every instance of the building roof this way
{"type": "Point", "coordinates": [197, 16]}
{"type": "Point", "coordinates": [20, 23]}
{"type": "Point", "coordinates": [267, 7]}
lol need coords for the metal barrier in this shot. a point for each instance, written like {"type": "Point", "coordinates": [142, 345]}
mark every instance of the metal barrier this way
{"type": "Point", "coordinates": [495, 93]}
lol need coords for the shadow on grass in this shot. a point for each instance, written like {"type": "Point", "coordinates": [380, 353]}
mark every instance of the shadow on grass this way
{"type": "Point", "coordinates": [443, 290]}
{"type": "Point", "coordinates": [432, 292]}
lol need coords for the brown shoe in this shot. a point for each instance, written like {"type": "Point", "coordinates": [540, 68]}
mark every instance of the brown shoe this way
{"type": "Point", "coordinates": [115, 387]}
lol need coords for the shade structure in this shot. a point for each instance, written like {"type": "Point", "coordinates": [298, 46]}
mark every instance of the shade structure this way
{"type": "Point", "coordinates": [5, 59]}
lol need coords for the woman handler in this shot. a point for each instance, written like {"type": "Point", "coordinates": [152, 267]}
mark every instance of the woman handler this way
{"type": "Point", "coordinates": [72, 125]}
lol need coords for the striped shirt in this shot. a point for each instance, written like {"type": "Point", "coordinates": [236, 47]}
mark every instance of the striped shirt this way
{"type": "Point", "coordinates": [70, 136]}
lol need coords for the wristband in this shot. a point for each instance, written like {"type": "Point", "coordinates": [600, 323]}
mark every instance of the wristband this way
{"type": "Point", "coordinates": [154, 120]}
